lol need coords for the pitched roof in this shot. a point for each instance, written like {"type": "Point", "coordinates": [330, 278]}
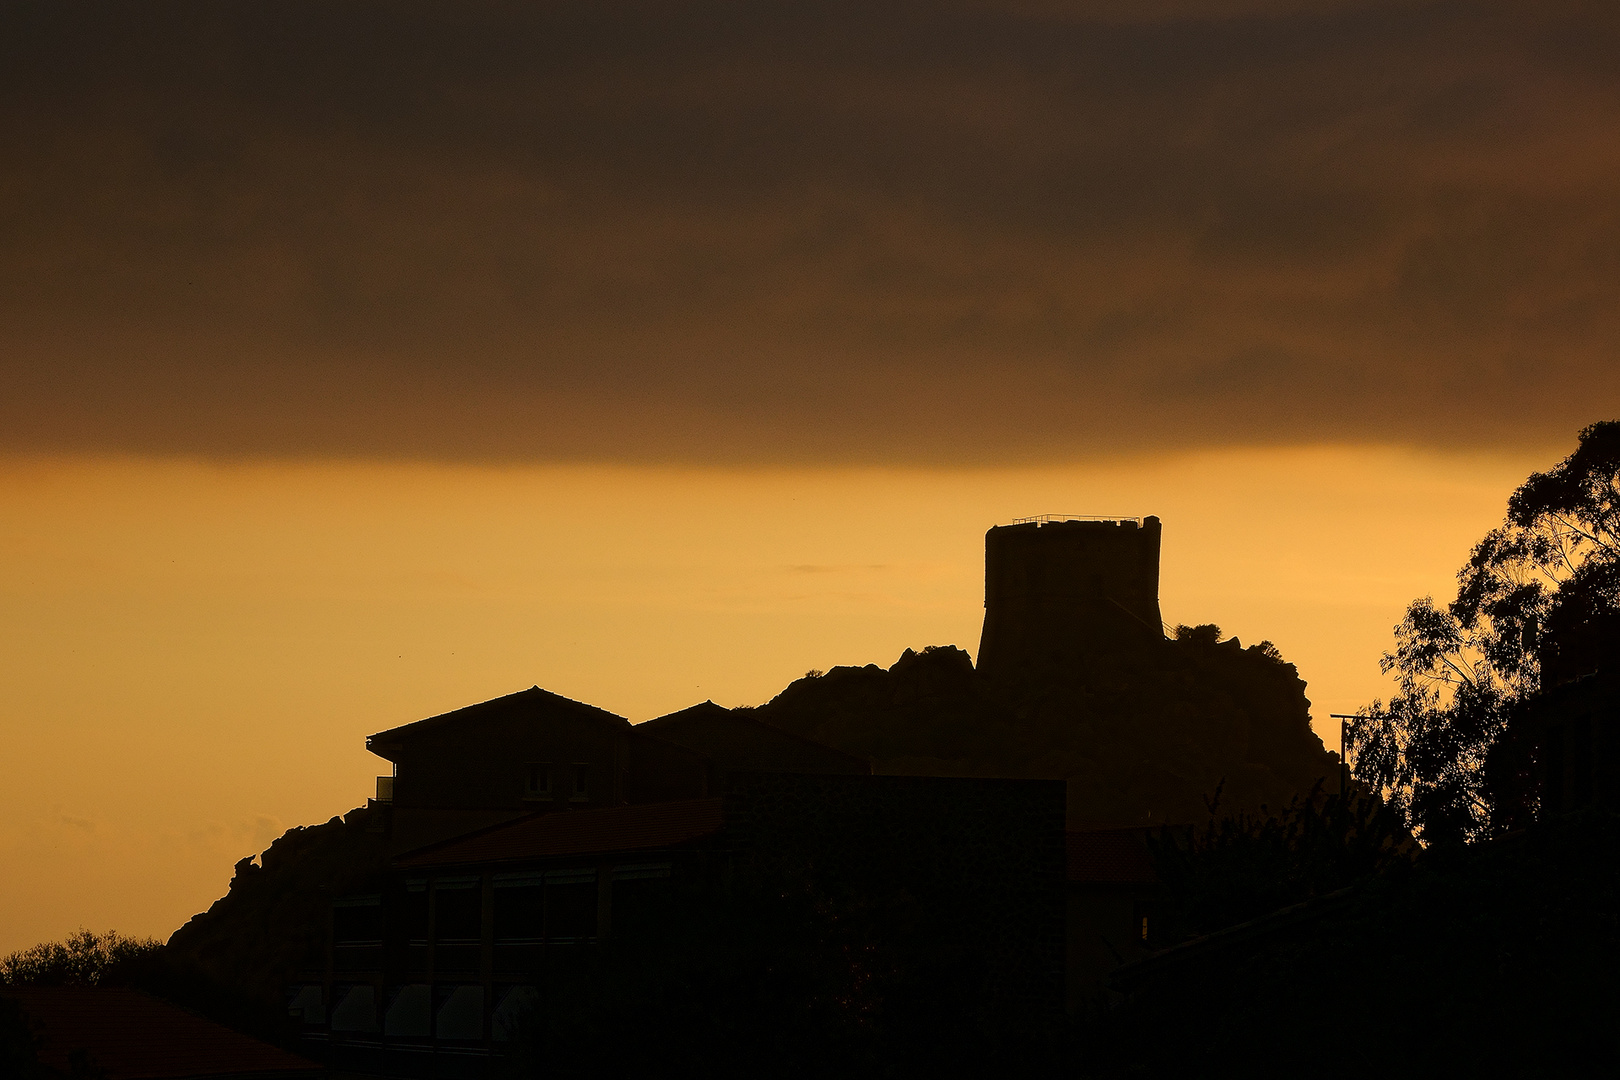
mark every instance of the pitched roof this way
{"type": "Point", "coordinates": [131, 1036]}
{"type": "Point", "coordinates": [576, 832]}
{"type": "Point", "coordinates": [702, 710]}
{"type": "Point", "coordinates": [532, 698]}
{"type": "Point", "coordinates": [1110, 857]}
{"type": "Point", "coordinates": [689, 727]}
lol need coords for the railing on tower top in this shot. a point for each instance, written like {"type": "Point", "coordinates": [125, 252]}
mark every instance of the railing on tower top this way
{"type": "Point", "coordinates": [1047, 519]}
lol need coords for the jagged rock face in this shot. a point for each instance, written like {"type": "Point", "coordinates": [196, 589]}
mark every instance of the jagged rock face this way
{"type": "Point", "coordinates": [929, 713]}
{"type": "Point", "coordinates": [272, 923]}
{"type": "Point", "coordinates": [1076, 680]}
{"type": "Point", "coordinates": [1144, 738]}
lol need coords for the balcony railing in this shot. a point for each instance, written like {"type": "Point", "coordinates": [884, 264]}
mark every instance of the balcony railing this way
{"type": "Point", "coordinates": [1047, 519]}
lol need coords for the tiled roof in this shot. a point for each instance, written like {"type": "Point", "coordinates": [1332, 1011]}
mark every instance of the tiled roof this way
{"type": "Point", "coordinates": [532, 698]}
{"type": "Point", "coordinates": [131, 1036]}
{"type": "Point", "coordinates": [1110, 857]}
{"type": "Point", "coordinates": [576, 832]}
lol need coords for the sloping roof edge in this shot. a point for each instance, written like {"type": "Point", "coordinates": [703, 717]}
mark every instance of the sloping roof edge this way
{"type": "Point", "coordinates": [135, 1036]}
{"type": "Point", "coordinates": [656, 724]}
{"type": "Point", "coordinates": [394, 734]}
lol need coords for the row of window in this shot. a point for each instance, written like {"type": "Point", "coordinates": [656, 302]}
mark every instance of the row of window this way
{"type": "Point", "coordinates": [543, 780]}
{"type": "Point", "coordinates": [554, 905]}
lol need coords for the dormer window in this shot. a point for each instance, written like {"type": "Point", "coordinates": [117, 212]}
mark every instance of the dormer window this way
{"type": "Point", "coordinates": [581, 771]}
{"type": "Point", "coordinates": [537, 784]}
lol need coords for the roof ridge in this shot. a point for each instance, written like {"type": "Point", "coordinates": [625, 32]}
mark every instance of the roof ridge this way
{"type": "Point", "coordinates": [536, 691]}
{"type": "Point", "coordinates": [747, 716]}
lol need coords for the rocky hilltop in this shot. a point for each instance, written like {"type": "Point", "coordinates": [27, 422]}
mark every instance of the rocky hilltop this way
{"type": "Point", "coordinates": [1143, 738]}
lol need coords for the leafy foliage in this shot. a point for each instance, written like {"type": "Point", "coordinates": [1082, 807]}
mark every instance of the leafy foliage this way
{"type": "Point", "coordinates": [85, 958]}
{"type": "Point", "coordinates": [1241, 867]}
{"type": "Point", "coordinates": [1537, 602]}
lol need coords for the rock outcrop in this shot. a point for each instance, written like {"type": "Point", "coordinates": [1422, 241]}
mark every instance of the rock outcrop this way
{"type": "Point", "coordinates": [1144, 739]}
{"type": "Point", "coordinates": [272, 922]}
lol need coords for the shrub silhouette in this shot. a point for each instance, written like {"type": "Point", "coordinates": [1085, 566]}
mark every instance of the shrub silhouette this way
{"type": "Point", "coordinates": [83, 958]}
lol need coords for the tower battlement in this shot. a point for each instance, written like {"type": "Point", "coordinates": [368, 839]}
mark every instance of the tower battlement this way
{"type": "Point", "coordinates": [1059, 588]}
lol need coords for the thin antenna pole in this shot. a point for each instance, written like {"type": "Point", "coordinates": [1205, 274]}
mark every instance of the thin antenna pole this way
{"type": "Point", "coordinates": [1344, 758]}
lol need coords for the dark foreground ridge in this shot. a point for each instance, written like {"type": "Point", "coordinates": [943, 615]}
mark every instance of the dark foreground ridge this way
{"type": "Point", "coordinates": [1495, 959]}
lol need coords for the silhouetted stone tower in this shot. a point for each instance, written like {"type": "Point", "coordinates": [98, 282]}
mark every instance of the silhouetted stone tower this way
{"type": "Point", "coordinates": [1061, 590]}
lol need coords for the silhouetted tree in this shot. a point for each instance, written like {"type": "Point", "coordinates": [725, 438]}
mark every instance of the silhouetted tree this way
{"type": "Point", "coordinates": [1244, 866]}
{"type": "Point", "coordinates": [84, 958]}
{"type": "Point", "coordinates": [1538, 601]}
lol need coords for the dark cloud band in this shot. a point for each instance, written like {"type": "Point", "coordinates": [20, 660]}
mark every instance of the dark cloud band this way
{"type": "Point", "coordinates": [807, 232]}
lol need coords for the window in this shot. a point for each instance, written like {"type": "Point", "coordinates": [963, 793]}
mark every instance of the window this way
{"type": "Point", "coordinates": [571, 905]}
{"type": "Point", "coordinates": [413, 913]}
{"type": "Point", "coordinates": [581, 772]}
{"type": "Point", "coordinates": [357, 920]}
{"type": "Point", "coordinates": [640, 897]}
{"type": "Point", "coordinates": [519, 907]}
{"type": "Point", "coordinates": [459, 910]}
{"type": "Point", "coordinates": [537, 782]}
{"type": "Point", "coordinates": [1142, 925]}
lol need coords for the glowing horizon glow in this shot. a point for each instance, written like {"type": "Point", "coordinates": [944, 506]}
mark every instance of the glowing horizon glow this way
{"type": "Point", "coordinates": [193, 653]}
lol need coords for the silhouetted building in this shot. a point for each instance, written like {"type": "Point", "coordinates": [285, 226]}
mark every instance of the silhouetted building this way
{"type": "Point", "coordinates": [459, 942]}
{"type": "Point", "coordinates": [1577, 641]}
{"type": "Point", "coordinates": [517, 836]}
{"type": "Point", "coordinates": [1112, 896]}
{"type": "Point", "coordinates": [528, 831]}
{"type": "Point", "coordinates": [536, 751]}
{"type": "Point", "coordinates": [1579, 729]}
{"type": "Point", "coordinates": [1058, 591]}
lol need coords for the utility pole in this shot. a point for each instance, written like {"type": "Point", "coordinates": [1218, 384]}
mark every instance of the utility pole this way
{"type": "Point", "coordinates": [1344, 761]}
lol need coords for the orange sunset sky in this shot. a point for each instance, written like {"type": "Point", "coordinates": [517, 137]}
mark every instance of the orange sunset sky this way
{"type": "Point", "coordinates": [359, 362]}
